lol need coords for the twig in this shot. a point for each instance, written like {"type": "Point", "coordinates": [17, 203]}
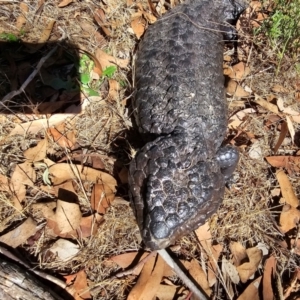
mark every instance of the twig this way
{"type": "Point", "coordinates": [169, 260]}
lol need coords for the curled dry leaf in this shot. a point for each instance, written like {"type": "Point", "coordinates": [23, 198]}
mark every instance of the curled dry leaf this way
{"type": "Point", "coordinates": [239, 253]}
{"type": "Point", "coordinates": [246, 270]}
{"type": "Point", "coordinates": [233, 88]}
{"type": "Point", "coordinates": [287, 189]}
{"type": "Point", "coordinates": [238, 71]}
{"type": "Point", "coordinates": [20, 234]}
{"type": "Point", "coordinates": [295, 115]}
{"type": "Point", "coordinates": [38, 152]}
{"type": "Point", "coordinates": [267, 105]}
{"type": "Point", "coordinates": [107, 60]}
{"type": "Point", "coordinates": [64, 249]}
{"type": "Point", "coordinates": [289, 218]}
{"type": "Point", "coordinates": [269, 278]}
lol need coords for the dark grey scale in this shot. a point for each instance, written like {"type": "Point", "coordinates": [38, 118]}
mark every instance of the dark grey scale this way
{"type": "Point", "coordinates": [163, 162]}
{"type": "Point", "coordinates": [170, 205]}
{"type": "Point", "coordinates": [182, 194]}
{"type": "Point", "coordinates": [173, 220]}
{"type": "Point", "coordinates": [154, 184]}
{"type": "Point", "coordinates": [183, 210]}
{"type": "Point", "coordinates": [158, 214]}
{"type": "Point", "coordinates": [168, 187]}
{"type": "Point", "coordinates": [157, 198]}
{"type": "Point", "coordinates": [160, 230]}
{"type": "Point", "coordinates": [153, 167]}
{"type": "Point", "coordinates": [192, 202]}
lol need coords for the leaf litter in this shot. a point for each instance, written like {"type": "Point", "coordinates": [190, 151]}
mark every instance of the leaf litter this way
{"type": "Point", "coordinates": [63, 210]}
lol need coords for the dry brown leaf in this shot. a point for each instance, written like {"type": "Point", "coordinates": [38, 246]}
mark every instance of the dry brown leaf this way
{"type": "Point", "coordinates": [238, 71]}
{"type": "Point", "coordinates": [64, 249]}
{"type": "Point", "coordinates": [167, 292]}
{"type": "Point", "coordinates": [267, 105]}
{"type": "Point", "coordinates": [38, 152]}
{"type": "Point", "coordinates": [100, 18]}
{"type": "Point", "coordinates": [35, 126]}
{"type": "Point", "coordinates": [65, 140]}
{"type": "Point", "coordinates": [277, 88]}
{"type": "Point", "coordinates": [21, 20]}
{"type": "Point", "coordinates": [289, 218]}
{"type": "Point", "coordinates": [46, 32]}
{"type": "Point", "coordinates": [89, 225]}
{"type": "Point", "coordinates": [138, 26]}
{"type": "Point", "coordinates": [24, 174]}
{"type": "Point", "coordinates": [290, 163]}
{"type": "Point", "coordinates": [126, 259]}
{"type": "Point", "coordinates": [287, 189]}
{"type": "Point", "coordinates": [46, 209]}
{"type": "Point", "coordinates": [239, 118]}
{"type": "Point", "coordinates": [114, 89]}
{"type": "Point", "coordinates": [252, 291]}
{"type": "Point", "coordinates": [199, 276]}
{"type": "Point", "coordinates": [20, 234]}
{"type": "Point", "coordinates": [81, 286]}
{"type": "Point", "coordinates": [64, 3]}
{"type": "Point", "coordinates": [68, 216]}
{"type": "Point", "coordinates": [295, 115]}
{"type": "Point", "coordinates": [239, 253]}
{"type": "Point", "coordinates": [149, 280]}
{"type": "Point", "coordinates": [246, 270]}
{"type": "Point", "coordinates": [63, 172]}
{"type": "Point", "coordinates": [213, 251]}
{"type": "Point", "coordinates": [107, 60]}
{"type": "Point", "coordinates": [4, 185]}
{"type": "Point", "coordinates": [233, 88]}
{"type": "Point", "coordinates": [269, 278]}
{"type": "Point", "coordinates": [102, 197]}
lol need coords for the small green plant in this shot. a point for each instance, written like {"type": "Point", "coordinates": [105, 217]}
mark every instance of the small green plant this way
{"type": "Point", "coordinates": [282, 29]}
{"type": "Point", "coordinates": [90, 85]}
{"type": "Point", "coordinates": [9, 37]}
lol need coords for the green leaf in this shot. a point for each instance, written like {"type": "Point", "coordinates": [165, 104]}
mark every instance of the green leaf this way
{"type": "Point", "coordinates": [109, 71]}
{"type": "Point", "coordinates": [9, 37]}
{"type": "Point", "coordinates": [90, 92]}
{"type": "Point", "coordinates": [85, 78]}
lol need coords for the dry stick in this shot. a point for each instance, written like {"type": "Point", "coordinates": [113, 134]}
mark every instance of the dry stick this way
{"type": "Point", "coordinates": [169, 260]}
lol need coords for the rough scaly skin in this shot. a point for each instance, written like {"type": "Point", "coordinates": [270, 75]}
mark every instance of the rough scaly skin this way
{"type": "Point", "coordinates": [177, 179]}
